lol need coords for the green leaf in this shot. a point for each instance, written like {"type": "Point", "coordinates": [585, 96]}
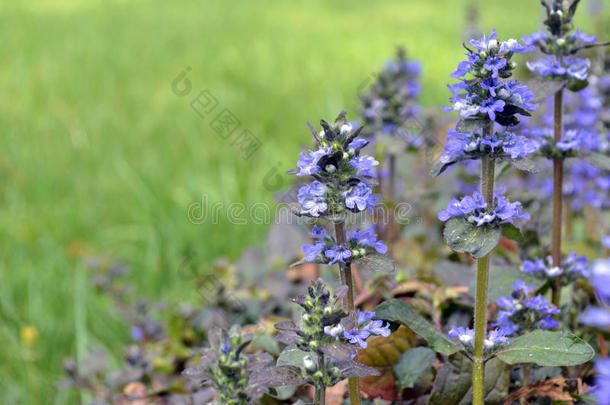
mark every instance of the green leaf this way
{"type": "Point", "coordinates": [502, 279]}
{"type": "Point", "coordinates": [412, 366]}
{"type": "Point", "coordinates": [577, 85]}
{"type": "Point", "coordinates": [292, 356]}
{"type": "Point", "coordinates": [547, 348]}
{"type": "Point", "coordinates": [543, 88]}
{"type": "Point", "coordinates": [401, 312]}
{"type": "Point", "coordinates": [512, 232]}
{"type": "Point", "coordinates": [463, 236]}
{"type": "Point", "coordinates": [453, 384]}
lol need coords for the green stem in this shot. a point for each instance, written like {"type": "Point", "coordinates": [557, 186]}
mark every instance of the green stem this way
{"type": "Point", "coordinates": [320, 391]}
{"type": "Point", "coordinates": [557, 200]}
{"type": "Point", "coordinates": [348, 304]}
{"type": "Point", "coordinates": [480, 308]}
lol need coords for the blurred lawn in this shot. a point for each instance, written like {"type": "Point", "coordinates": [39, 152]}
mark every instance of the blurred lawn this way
{"type": "Point", "coordinates": [99, 156]}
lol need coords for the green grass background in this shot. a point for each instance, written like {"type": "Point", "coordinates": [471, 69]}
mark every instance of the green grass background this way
{"type": "Point", "coordinates": [98, 155]}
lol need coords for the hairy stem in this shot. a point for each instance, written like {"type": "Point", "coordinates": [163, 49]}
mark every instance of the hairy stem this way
{"type": "Point", "coordinates": [557, 200]}
{"type": "Point", "coordinates": [480, 308]}
{"type": "Point", "coordinates": [320, 391]}
{"type": "Point", "coordinates": [348, 303]}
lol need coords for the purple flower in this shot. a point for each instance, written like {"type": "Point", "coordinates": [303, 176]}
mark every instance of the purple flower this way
{"type": "Point", "coordinates": [508, 211]}
{"type": "Point", "coordinates": [537, 38]}
{"type": "Point", "coordinates": [312, 251]}
{"type": "Point", "coordinates": [377, 327]}
{"type": "Point", "coordinates": [532, 266]}
{"type": "Point", "coordinates": [366, 327]}
{"type": "Point", "coordinates": [312, 199]}
{"type": "Point", "coordinates": [492, 142]}
{"type": "Point", "coordinates": [365, 165]}
{"type": "Point", "coordinates": [547, 67]}
{"type": "Point", "coordinates": [363, 317]}
{"type": "Point", "coordinates": [358, 143]}
{"type": "Point", "coordinates": [338, 254]}
{"type": "Point", "coordinates": [505, 211]}
{"type": "Point", "coordinates": [489, 84]}
{"type": "Point", "coordinates": [596, 317]}
{"type": "Point", "coordinates": [494, 64]}
{"type": "Point", "coordinates": [486, 43]}
{"type": "Point", "coordinates": [357, 336]}
{"type": "Point", "coordinates": [318, 232]}
{"type": "Point", "coordinates": [490, 107]}
{"type": "Point", "coordinates": [359, 197]}
{"type": "Point", "coordinates": [368, 238]}
{"type": "Point", "coordinates": [308, 162]}
{"type": "Point", "coordinates": [601, 279]}
{"type": "Point", "coordinates": [578, 68]}
{"type": "Point", "coordinates": [602, 380]}
{"type": "Point", "coordinates": [584, 38]}
{"type": "Point", "coordinates": [518, 146]}
{"type": "Point", "coordinates": [523, 310]}
{"type": "Point", "coordinates": [568, 66]}
{"type": "Point", "coordinates": [482, 219]}
{"type": "Point", "coordinates": [462, 69]}
{"type": "Point", "coordinates": [513, 45]}
{"type": "Point", "coordinates": [462, 207]}
{"type": "Point", "coordinates": [464, 335]}
{"type": "Point", "coordinates": [495, 338]}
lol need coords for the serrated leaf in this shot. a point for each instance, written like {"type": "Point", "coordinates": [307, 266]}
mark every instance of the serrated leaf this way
{"type": "Point", "coordinates": [547, 348]}
{"type": "Point", "coordinates": [543, 88]}
{"type": "Point", "coordinates": [412, 366]}
{"type": "Point", "coordinates": [463, 236]}
{"type": "Point", "coordinates": [401, 312]}
{"type": "Point", "coordinates": [510, 231]}
{"type": "Point", "coordinates": [453, 384]}
{"type": "Point", "coordinates": [376, 262]}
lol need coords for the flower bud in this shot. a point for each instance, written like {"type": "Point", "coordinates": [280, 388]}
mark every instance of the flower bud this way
{"type": "Point", "coordinates": [308, 363]}
{"type": "Point", "coordinates": [313, 344]}
{"type": "Point", "coordinates": [328, 310]}
{"type": "Point", "coordinates": [561, 42]}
